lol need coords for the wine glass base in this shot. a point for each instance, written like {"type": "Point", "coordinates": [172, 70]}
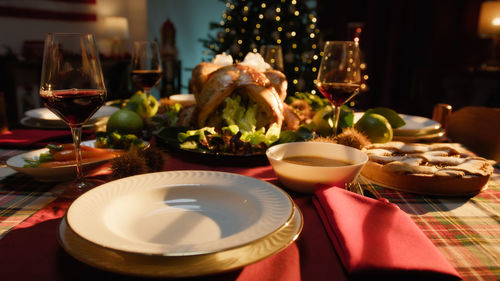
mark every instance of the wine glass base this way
{"type": "Point", "coordinates": [72, 190]}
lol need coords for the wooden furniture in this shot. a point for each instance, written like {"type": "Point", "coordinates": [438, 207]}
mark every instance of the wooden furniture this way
{"type": "Point", "coordinates": [478, 128]}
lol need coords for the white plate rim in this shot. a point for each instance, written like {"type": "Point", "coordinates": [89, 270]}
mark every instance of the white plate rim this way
{"type": "Point", "coordinates": [425, 137]}
{"type": "Point", "coordinates": [54, 174]}
{"type": "Point", "coordinates": [45, 114]}
{"type": "Point", "coordinates": [58, 124]}
{"type": "Point", "coordinates": [277, 208]}
{"type": "Point", "coordinates": [430, 125]}
{"type": "Point", "coordinates": [189, 266]}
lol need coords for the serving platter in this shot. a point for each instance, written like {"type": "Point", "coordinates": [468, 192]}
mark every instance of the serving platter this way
{"type": "Point", "coordinates": [183, 266]}
{"type": "Point", "coordinates": [54, 174]}
{"type": "Point", "coordinates": [207, 157]}
{"type": "Point", "coordinates": [180, 213]}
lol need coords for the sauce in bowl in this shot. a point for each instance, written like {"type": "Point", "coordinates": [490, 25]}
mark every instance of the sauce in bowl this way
{"type": "Point", "coordinates": [317, 161]}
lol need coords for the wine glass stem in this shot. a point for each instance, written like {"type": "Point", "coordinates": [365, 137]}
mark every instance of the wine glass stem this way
{"type": "Point", "coordinates": [76, 131]}
{"type": "Point", "coordinates": [336, 116]}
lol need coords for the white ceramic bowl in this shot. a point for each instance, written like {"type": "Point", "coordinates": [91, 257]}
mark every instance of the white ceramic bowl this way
{"type": "Point", "coordinates": [307, 178]}
{"type": "Point", "coordinates": [184, 99]}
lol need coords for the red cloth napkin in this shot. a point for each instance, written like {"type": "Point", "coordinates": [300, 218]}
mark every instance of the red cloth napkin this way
{"type": "Point", "coordinates": [26, 138]}
{"type": "Point", "coordinates": [377, 240]}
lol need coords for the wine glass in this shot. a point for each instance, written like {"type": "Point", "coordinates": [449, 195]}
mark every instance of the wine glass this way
{"type": "Point", "coordinates": [339, 76]}
{"type": "Point", "coordinates": [146, 65]}
{"type": "Point", "coordinates": [72, 87]}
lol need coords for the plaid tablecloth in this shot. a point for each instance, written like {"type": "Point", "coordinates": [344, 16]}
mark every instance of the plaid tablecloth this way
{"type": "Point", "coordinates": [466, 230]}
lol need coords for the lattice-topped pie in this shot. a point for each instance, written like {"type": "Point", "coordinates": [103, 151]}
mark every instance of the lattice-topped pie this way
{"type": "Point", "coordinates": [438, 168]}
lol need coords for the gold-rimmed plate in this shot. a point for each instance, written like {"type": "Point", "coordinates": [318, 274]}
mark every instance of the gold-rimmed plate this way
{"type": "Point", "coordinates": [183, 266]}
{"type": "Point", "coordinates": [180, 213]}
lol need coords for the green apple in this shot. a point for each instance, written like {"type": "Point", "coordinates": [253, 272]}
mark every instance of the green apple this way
{"type": "Point", "coordinates": [144, 105]}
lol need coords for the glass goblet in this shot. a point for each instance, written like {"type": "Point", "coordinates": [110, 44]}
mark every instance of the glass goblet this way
{"type": "Point", "coordinates": [339, 76]}
{"type": "Point", "coordinates": [146, 65]}
{"type": "Point", "coordinates": [72, 87]}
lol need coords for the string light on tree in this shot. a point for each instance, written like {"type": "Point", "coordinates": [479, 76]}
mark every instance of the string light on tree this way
{"type": "Point", "coordinates": [248, 25]}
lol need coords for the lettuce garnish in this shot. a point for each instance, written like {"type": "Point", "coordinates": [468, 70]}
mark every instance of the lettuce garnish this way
{"type": "Point", "coordinates": [241, 123]}
{"type": "Point", "coordinates": [245, 119]}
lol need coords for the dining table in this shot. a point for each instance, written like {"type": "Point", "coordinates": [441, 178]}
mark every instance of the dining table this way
{"type": "Point", "coordinates": [464, 229]}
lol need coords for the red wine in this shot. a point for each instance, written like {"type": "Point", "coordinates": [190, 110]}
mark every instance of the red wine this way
{"type": "Point", "coordinates": [146, 78]}
{"type": "Point", "coordinates": [338, 93]}
{"type": "Point", "coordinates": [73, 106]}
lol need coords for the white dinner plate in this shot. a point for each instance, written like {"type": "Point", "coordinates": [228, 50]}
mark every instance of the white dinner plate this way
{"type": "Point", "coordinates": [59, 124]}
{"type": "Point", "coordinates": [415, 125]}
{"type": "Point", "coordinates": [45, 114]}
{"type": "Point", "coordinates": [431, 136]}
{"type": "Point", "coordinates": [179, 213]}
{"type": "Point", "coordinates": [185, 266]}
{"type": "Point", "coordinates": [55, 174]}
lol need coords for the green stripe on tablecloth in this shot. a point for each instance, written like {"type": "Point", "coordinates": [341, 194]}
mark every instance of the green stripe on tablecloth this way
{"type": "Point", "coordinates": [20, 197]}
{"type": "Point", "coordinates": [465, 229]}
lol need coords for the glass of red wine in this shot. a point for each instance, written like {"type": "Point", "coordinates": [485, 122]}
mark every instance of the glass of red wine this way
{"type": "Point", "coordinates": [339, 76]}
{"type": "Point", "coordinates": [146, 65]}
{"type": "Point", "coordinates": [72, 87]}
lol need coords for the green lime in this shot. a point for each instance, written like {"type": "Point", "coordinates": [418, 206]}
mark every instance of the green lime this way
{"type": "Point", "coordinates": [392, 116]}
{"type": "Point", "coordinates": [144, 105]}
{"type": "Point", "coordinates": [375, 126]}
{"type": "Point", "coordinates": [124, 122]}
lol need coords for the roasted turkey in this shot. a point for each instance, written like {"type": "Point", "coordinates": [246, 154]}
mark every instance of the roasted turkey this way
{"type": "Point", "coordinates": [212, 84]}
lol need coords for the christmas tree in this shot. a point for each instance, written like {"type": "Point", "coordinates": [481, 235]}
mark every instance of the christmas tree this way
{"type": "Point", "coordinates": [247, 25]}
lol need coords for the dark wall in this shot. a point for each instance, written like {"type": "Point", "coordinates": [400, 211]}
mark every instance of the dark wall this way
{"type": "Point", "coordinates": [418, 52]}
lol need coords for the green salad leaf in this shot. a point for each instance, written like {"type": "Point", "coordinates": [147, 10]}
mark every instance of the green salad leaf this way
{"type": "Point", "coordinates": [236, 114]}
{"type": "Point", "coordinates": [199, 135]}
{"type": "Point", "coordinates": [315, 101]}
{"type": "Point", "coordinates": [169, 118]}
{"type": "Point", "coordinates": [241, 131]}
{"type": "Point", "coordinates": [117, 141]}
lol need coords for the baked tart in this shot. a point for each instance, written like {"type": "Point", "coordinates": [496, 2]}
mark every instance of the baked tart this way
{"type": "Point", "coordinates": [436, 169]}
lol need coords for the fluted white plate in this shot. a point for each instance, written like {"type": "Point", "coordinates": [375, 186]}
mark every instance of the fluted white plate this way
{"type": "Point", "coordinates": [179, 213]}
{"type": "Point", "coordinates": [184, 266]}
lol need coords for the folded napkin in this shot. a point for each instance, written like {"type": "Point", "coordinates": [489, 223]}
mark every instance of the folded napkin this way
{"type": "Point", "coordinates": [376, 240]}
{"type": "Point", "coordinates": [26, 138]}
